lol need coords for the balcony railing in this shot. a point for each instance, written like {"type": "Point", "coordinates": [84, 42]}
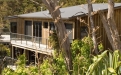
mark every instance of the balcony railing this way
{"type": "Point", "coordinates": [26, 39]}
{"type": "Point", "coordinates": [30, 40]}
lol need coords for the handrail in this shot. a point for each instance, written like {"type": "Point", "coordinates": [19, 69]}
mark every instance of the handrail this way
{"type": "Point", "coordinates": [28, 38]}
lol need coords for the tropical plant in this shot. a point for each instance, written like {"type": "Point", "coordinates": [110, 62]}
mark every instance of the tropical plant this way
{"type": "Point", "coordinates": [107, 63]}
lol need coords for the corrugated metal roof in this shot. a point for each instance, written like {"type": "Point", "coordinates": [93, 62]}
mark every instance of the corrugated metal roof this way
{"type": "Point", "coordinates": [68, 12]}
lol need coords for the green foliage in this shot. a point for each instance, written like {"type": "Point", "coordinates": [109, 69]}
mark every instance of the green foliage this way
{"type": "Point", "coordinates": [4, 50]}
{"type": "Point", "coordinates": [21, 61]}
{"type": "Point", "coordinates": [100, 47]}
{"type": "Point", "coordinates": [100, 1]}
{"type": "Point", "coordinates": [16, 7]}
{"type": "Point", "coordinates": [106, 64]}
{"type": "Point", "coordinates": [97, 61]}
{"type": "Point", "coordinates": [53, 39]}
{"type": "Point", "coordinates": [21, 68]}
{"type": "Point", "coordinates": [55, 66]}
{"type": "Point", "coordinates": [75, 46]}
{"type": "Point", "coordinates": [72, 2]}
{"type": "Point", "coordinates": [7, 71]}
{"type": "Point", "coordinates": [80, 65]}
{"type": "Point", "coordinates": [86, 47]}
{"type": "Point", "coordinates": [79, 2]}
{"type": "Point", "coordinates": [45, 68]}
{"type": "Point", "coordinates": [32, 70]}
{"type": "Point", "coordinates": [82, 47]}
{"type": "Point", "coordinates": [81, 50]}
{"type": "Point", "coordinates": [59, 65]}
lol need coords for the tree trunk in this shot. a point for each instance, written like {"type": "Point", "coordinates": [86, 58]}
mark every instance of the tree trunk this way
{"type": "Point", "coordinates": [92, 27]}
{"type": "Point", "coordinates": [110, 26]}
{"type": "Point", "coordinates": [61, 30]}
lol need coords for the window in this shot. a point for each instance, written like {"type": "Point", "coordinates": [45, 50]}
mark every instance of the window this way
{"type": "Point", "coordinates": [84, 31]}
{"type": "Point", "coordinates": [37, 28]}
{"type": "Point", "coordinates": [69, 27]}
{"type": "Point", "coordinates": [45, 24]}
{"type": "Point", "coordinates": [28, 22]}
{"type": "Point", "coordinates": [52, 26]}
{"type": "Point", "coordinates": [28, 27]}
{"type": "Point", "coordinates": [13, 27]}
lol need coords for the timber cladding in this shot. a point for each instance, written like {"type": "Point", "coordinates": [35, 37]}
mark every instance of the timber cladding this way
{"type": "Point", "coordinates": [100, 32]}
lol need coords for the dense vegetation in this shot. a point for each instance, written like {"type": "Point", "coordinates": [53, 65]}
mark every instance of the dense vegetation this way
{"type": "Point", "coordinates": [4, 52]}
{"type": "Point", "coordinates": [15, 7]}
{"type": "Point", "coordinates": [84, 63]}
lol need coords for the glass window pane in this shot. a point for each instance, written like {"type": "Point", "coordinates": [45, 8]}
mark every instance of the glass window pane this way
{"type": "Point", "coordinates": [13, 27]}
{"type": "Point", "coordinates": [69, 27]}
{"type": "Point", "coordinates": [37, 28]}
{"type": "Point", "coordinates": [28, 27]}
{"type": "Point", "coordinates": [84, 30]}
{"type": "Point", "coordinates": [45, 24]}
{"type": "Point", "coordinates": [52, 26]}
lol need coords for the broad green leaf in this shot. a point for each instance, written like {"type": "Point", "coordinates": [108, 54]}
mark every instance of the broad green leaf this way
{"type": "Point", "coordinates": [112, 70]}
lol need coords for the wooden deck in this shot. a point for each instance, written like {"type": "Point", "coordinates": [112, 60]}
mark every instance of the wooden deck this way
{"type": "Point", "coordinates": [26, 42]}
{"type": "Point", "coordinates": [28, 45]}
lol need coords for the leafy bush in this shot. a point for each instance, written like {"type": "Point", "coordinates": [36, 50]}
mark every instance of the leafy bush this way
{"type": "Point", "coordinates": [107, 63]}
{"type": "Point", "coordinates": [55, 66]}
{"type": "Point", "coordinates": [101, 48]}
{"type": "Point", "coordinates": [45, 68]}
{"type": "Point", "coordinates": [82, 47]}
{"type": "Point", "coordinates": [59, 64]}
{"type": "Point", "coordinates": [4, 50]}
{"type": "Point", "coordinates": [21, 68]}
{"type": "Point", "coordinates": [81, 50]}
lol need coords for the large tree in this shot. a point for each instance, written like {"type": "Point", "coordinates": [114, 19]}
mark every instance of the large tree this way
{"type": "Point", "coordinates": [52, 6]}
{"type": "Point", "coordinates": [92, 27]}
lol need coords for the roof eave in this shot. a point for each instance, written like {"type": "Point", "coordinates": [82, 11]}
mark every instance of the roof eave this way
{"type": "Point", "coordinates": [11, 17]}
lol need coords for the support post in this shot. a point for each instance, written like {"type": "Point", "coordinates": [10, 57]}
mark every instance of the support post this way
{"type": "Point", "coordinates": [21, 38]}
{"type": "Point", "coordinates": [16, 37]}
{"type": "Point", "coordinates": [12, 52]}
{"type": "Point", "coordinates": [35, 59]}
{"type": "Point", "coordinates": [46, 44]}
{"type": "Point", "coordinates": [39, 41]}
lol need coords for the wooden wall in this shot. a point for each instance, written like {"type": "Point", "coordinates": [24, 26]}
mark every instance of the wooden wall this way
{"type": "Point", "coordinates": [100, 33]}
{"type": "Point", "coordinates": [45, 31]}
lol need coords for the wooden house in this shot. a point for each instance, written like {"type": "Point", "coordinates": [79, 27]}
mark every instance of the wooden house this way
{"type": "Point", "coordinates": [30, 32]}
